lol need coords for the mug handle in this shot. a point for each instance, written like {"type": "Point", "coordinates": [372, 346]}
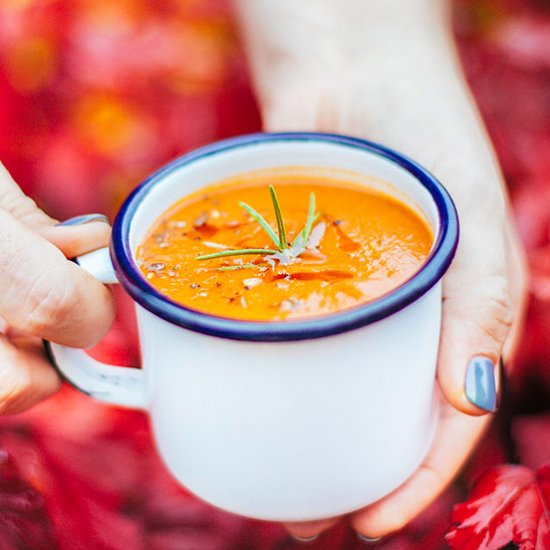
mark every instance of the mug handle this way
{"type": "Point", "coordinates": [121, 386]}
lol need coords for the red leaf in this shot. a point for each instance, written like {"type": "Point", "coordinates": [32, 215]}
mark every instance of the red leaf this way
{"type": "Point", "coordinates": [508, 504]}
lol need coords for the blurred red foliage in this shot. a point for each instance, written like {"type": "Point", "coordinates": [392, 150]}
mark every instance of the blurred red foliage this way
{"type": "Point", "coordinates": [23, 518]}
{"type": "Point", "coordinates": [96, 95]}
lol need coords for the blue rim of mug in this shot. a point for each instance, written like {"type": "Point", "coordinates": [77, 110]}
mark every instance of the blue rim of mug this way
{"type": "Point", "coordinates": [160, 305]}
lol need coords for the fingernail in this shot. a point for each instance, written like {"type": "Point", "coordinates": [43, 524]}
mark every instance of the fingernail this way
{"type": "Point", "coordinates": [368, 539]}
{"type": "Point", "coordinates": [480, 386]}
{"type": "Point", "coordinates": [305, 540]}
{"type": "Point", "coordinates": [86, 218]}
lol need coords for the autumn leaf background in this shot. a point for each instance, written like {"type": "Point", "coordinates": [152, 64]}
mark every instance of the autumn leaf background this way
{"type": "Point", "coordinates": [96, 95]}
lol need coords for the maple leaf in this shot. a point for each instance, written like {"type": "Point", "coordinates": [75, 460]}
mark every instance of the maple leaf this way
{"type": "Point", "coordinates": [508, 504]}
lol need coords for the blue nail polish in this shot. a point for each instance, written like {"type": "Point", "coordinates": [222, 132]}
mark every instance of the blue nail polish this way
{"type": "Point", "coordinates": [305, 539]}
{"type": "Point", "coordinates": [368, 539]}
{"type": "Point", "coordinates": [86, 218]}
{"type": "Point", "coordinates": [480, 386]}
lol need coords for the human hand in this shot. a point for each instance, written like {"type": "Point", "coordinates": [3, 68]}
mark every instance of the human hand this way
{"type": "Point", "coordinates": [43, 295]}
{"type": "Point", "coordinates": [386, 70]}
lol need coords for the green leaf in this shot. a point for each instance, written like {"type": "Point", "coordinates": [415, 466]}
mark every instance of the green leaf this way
{"type": "Point", "coordinates": [279, 216]}
{"type": "Point", "coordinates": [238, 252]}
{"type": "Point", "coordinates": [260, 219]}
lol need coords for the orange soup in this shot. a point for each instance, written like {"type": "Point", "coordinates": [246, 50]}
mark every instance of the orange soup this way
{"type": "Point", "coordinates": [343, 245]}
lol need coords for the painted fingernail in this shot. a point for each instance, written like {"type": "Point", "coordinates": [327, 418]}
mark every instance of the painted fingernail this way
{"type": "Point", "coordinates": [480, 386]}
{"type": "Point", "coordinates": [86, 218]}
{"type": "Point", "coordinates": [368, 540]}
{"type": "Point", "coordinates": [305, 540]}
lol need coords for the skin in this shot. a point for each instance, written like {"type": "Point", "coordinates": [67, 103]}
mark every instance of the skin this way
{"type": "Point", "coordinates": [387, 70]}
{"type": "Point", "coordinates": [381, 69]}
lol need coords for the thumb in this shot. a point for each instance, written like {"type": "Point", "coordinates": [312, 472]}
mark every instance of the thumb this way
{"type": "Point", "coordinates": [78, 235]}
{"type": "Point", "coordinates": [477, 317]}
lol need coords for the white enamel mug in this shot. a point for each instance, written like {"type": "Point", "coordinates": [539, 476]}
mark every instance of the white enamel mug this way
{"type": "Point", "coordinates": [285, 421]}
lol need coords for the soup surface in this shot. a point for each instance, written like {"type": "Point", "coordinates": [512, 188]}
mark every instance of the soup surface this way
{"type": "Point", "coordinates": [363, 244]}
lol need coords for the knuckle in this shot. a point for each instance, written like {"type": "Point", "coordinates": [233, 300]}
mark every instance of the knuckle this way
{"type": "Point", "coordinates": [487, 308]}
{"type": "Point", "coordinates": [48, 305]}
{"type": "Point", "coordinates": [497, 304]}
{"type": "Point", "coordinates": [18, 204]}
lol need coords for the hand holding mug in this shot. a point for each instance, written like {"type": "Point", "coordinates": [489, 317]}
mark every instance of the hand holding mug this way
{"type": "Point", "coordinates": [387, 70]}
{"type": "Point", "coordinates": [44, 295]}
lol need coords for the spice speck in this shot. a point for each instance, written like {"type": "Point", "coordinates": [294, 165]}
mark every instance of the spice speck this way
{"type": "Point", "coordinates": [159, 266]}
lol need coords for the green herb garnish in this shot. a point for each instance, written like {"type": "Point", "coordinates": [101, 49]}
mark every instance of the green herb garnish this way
{"type": "Point", "coordinates": [284, 253]}
{"type": "Point", "coordinates": [260, 219]}
{"type": "Point", "coordinates": [236, 267]}
{"type": "Point", "coordinates": [283, 245]}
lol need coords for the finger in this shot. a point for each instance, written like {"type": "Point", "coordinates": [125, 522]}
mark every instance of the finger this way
{"type": "Point", "coordinates": [21, 207]}
{"type": "Point", "coordinates": [90, 233]}
{"type": "Point", "coordinates": [309, 530]}
{"type": "Point", "coordinates": [477, 316]}
{"type": "Point", "coordinates": [456, 436]}
{"type": "Point", "coordinates": [44, 295]}
{"type": "Point", "coordinates": [26, 376]}
{"type": "Point", "coordinates": [87, 233]}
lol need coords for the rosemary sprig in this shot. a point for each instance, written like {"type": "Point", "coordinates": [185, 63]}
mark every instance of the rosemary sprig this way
{"type": "Point", "coordinates": [280, 224]}
{"type": "Point", "coordinates": [241, 251]}
{"type": "Point", "coordinates": [260, 219]}
{"type": "Point", "coordinates": [236, 267]}
{"type": "Point", "coordinates": [283, 253]}
{"type": "Point", "coordinates": [300, 242]}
